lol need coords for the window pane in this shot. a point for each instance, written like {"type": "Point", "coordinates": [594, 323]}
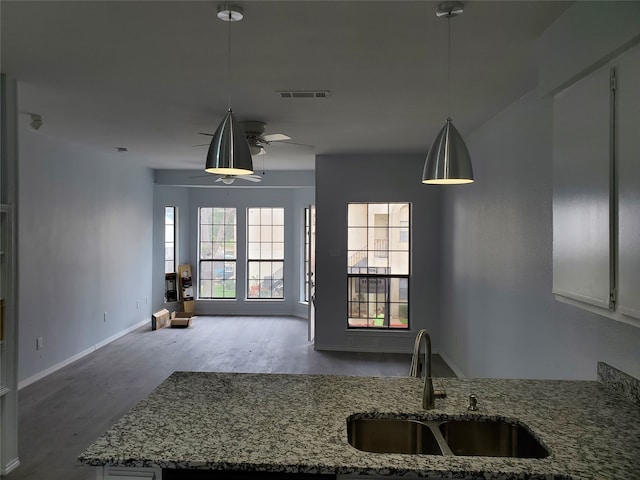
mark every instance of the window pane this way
{"type": "Point", "coordinates": [357, 215]}
{"type": "Point", "coordinates": [206, 250]}
{"type": "Point", "coordinates": [253, 233]}
{"type": "Point", "coordinates": [205, 215]}
{"type": "Point", "coordinates": [169, 217]}
{"type": "Point", "coordinates": [230, 216]}
{"type": "Point", "coordinates": [399, 263]}
{"type": "Point", "coordinates": [253, 251]}
{"type": "Point", "coordinates": [253, 216]}
{"type": "Point", "coordinates": [278, 251]}
{"type": "Point", "coordinates": [206, 233]}
{"type": "Point", "coordinates": [206, 270]}
{"type": "Point", "coordinates": [265, 251]}
{"type": "Point", "coordinates": [278, 233]}
{"type": "Point", "coordinates": [278, 216]}
{"type": "Point", "coordinates": [265, 216]}
{"type": "Point", "coordinates": [357, 238]}
{"type": "Point", "coordinates": [266, 233]}
{"type": "Point", "coordinates": [169, 233]}
{"type": "Point", "coordinates": [206, 289]}
{"type": "Point", "coordinates": [254, 289]}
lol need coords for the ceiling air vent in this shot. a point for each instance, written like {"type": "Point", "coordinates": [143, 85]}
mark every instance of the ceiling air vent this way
{"type": "Point", "coordinates": [320, 94]}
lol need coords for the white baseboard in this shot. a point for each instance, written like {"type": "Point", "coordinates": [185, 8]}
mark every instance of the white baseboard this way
{"type": "Point", "coordinates": [452, 365]}
{"type": "Point", "coordinates": [78, 356]}
{"type": "Point", "coordinates": [10, 466]}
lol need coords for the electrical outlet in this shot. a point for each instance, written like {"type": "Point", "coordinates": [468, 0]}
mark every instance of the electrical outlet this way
{"type": "Point", "coordinates": [105, 317]}
{"type": "Point", "coordinates": [137, 303]}
{"type": "Point", "coordinates": [146, 300]}
{"type": "Point", "coordinates": [39, 343]}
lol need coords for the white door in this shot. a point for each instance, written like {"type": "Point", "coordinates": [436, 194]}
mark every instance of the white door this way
{"type": "Point", "coordinates": [311, 283]}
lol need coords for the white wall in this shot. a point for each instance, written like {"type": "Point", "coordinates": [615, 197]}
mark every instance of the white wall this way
{"type": "Point", "coordinates": [499, 318]}
{"type": "Point", "coordinates": [341, 179]}
{"type": "Point", "coordinates": [189, 199]}
{"type": "Point", "coordinates": [84, 236]}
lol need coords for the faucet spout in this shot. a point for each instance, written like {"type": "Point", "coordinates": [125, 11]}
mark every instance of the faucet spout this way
{"type": "Point", "coordinates": [429, 394]}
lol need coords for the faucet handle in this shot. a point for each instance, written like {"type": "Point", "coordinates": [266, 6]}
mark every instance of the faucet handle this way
{"type": "Point", "coordinates": [473, 403]}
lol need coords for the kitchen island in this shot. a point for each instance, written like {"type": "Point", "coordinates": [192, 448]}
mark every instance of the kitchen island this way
{"type": "Point", "coordinates": [297, 424]}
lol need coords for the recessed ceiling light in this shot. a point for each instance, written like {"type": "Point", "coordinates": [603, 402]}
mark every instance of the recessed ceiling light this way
{"type": "Point", "coordinates": [122, 149]}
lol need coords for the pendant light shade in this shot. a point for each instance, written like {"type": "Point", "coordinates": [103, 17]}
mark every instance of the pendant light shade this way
{"type": "Point", "coordinates": [448, 160]}
{"type": "Point", "coordinates": [229, 151]}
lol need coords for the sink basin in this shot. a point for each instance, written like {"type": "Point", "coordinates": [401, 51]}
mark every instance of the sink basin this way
{"type": "Point", "coordinates": [491, 438]}
{"type": "Point", "coordinates": [382, 435]}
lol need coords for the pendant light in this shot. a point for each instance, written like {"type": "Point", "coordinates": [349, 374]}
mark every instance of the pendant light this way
{"type": "Point", "coordinates": [448, 160]}
{"type": "Point", "coordinates": [229, 151]}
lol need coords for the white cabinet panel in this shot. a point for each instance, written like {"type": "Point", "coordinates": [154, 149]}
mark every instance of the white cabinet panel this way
{"type": "Point", "coordinates": [581, 186]}
{"type": "Point", "coordinates": [628, 93]}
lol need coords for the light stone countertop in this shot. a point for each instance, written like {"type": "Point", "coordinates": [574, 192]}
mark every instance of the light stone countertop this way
{"type": "Point", "coordinates": [297, 423]}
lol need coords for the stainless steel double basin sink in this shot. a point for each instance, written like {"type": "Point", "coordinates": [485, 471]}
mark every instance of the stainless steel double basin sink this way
{"type": "Point", "coordinates": [489, 437]}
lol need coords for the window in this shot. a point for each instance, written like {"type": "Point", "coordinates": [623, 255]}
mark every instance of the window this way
{"type": "Point", "coordinates": [265, 253]}
{"type": "Point", "coordinates": [378, 262]}
{"type": "Point", "coordinates": [170, 239]}
{"type": "Point", "coordinates": [217, 253]}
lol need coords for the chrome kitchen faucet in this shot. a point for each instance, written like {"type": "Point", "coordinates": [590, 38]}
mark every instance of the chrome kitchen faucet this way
{"type": "Point", "coordinates": [429, 395]}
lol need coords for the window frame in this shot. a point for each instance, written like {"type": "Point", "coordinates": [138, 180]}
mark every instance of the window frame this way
{"type": "Point", "coordinates": [174, 248]}
{"type": "Point", "coordinates": [252, 259]}
{"type": "Point", "coordinates": [229, 260]}
{"type": "Point", "coordinates": [369, 317]}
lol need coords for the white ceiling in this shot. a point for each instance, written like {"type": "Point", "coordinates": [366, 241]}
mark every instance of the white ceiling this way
{"type": "Point", "coordinates": [150, 75]}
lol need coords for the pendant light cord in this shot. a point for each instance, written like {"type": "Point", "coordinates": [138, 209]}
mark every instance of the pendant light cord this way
{"type": "Point", "coordinates": [229, 60]}
{"type": "Point", "coordinates": [449, 65]}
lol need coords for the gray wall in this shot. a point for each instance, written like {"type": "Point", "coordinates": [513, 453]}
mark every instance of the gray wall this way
{"type": "Point", "coordinates": [189, 199]}
{"type": "Point", "coordinates": [499, 318]}
{"type": "Point", "coordinates": [341, 179]}
{"type": "Point", "coordinates": [84, 236]}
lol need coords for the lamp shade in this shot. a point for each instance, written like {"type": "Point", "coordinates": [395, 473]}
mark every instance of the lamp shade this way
{"type": "Point", "coordinates": [229, 151]}
{"type": "Point", "coordinates": [448, 160]}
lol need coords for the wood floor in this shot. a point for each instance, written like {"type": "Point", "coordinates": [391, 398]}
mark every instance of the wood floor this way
{"type": "Point", "coordinates": [63, 413]}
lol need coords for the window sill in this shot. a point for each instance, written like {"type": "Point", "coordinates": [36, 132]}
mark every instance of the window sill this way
{"type": "Point", "coordinates": [264, 300]}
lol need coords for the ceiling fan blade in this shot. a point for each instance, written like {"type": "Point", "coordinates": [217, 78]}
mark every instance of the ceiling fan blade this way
{"type": "Point", "coordinates": [304, 145]}
{"type": "Point", "coordinates": [201, 145]}
{"type": "Point", "coordinates": [251, 178]}
{"type": "Point", "coordinates": [207, 134]}
{"type": "Point", "coordinates": [275, 137]}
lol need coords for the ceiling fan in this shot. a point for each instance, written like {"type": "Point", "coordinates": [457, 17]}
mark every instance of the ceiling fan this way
{"type": "Point", "coordinates": [257, 139]}
{"type": "Point", "coordinates": [229, 179]}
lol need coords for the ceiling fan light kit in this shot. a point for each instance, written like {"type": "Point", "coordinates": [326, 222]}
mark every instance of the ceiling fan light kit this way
{"type": "Point", "coordinates": [448, 161]}
{"type": "Point", "coordinates": [229, 151]}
